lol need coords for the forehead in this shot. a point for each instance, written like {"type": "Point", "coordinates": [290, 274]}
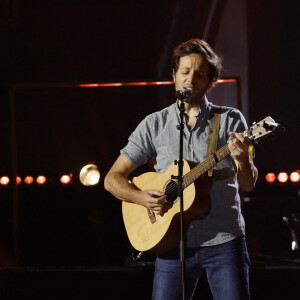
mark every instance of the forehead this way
{"type": "Point", "coordinates": [194, 60]}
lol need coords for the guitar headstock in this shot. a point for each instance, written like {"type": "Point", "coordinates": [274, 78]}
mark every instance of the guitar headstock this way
{"type": "Point", "coordinates": [261, 129]}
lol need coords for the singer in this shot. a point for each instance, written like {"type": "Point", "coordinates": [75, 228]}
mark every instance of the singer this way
{"type": "Point", "coordinates": [215, 243]}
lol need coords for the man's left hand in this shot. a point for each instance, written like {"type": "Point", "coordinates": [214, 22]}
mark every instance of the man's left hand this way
{"type": "Point", "coordinates": [239, 148]}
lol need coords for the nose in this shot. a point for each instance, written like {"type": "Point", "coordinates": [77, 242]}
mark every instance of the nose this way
{"type": "Point", "coordinates": [191, 76]}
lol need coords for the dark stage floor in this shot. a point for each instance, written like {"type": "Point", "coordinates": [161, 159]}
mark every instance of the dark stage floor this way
{"type": "Point", "coordinates": [268, 281]}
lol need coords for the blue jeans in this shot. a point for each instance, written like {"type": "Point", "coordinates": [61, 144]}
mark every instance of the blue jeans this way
{"type": "Point", "coordinates": [226, 266]}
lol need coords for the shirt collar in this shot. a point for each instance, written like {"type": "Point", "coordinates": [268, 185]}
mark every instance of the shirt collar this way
{"type": "Point", "coordinates": [204, 107]}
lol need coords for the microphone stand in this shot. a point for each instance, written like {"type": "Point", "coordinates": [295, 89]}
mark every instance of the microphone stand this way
{"type": "Point", "coordinates": [180, 194]}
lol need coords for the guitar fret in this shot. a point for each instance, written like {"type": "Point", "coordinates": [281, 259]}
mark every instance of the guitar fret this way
{"type": "Point", "coordinates": [203, 167]}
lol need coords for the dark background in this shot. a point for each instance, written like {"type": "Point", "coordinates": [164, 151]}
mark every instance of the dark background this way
{"type": "Point", "coordinates": [61, 127]}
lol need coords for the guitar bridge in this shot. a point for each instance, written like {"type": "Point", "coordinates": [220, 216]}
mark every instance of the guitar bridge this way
{"type": "Point", "coordinates": [151, 216]}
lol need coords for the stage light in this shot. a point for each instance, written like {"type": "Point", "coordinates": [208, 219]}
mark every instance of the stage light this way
{"type": "Point", "coordinates": [4, 180]}
{"type": "Point", "coordinates": [270, 177]}
{"type": "Point", "coordinates": [18, 179]}
{"type": "Point", "coordinates": [126, 84]}
{"type": "Point", "coordinates": [66, 179]}
{"type": "Point", "coordinates": [141, 83]}
{"type": "Point", "coordinates": [294, 177]}
{"type": "Point", "coordinates": [28, 180]}
{"type": "Point", "coordinates": [283, 177]}
{"type": "Point", "coordinates": [89, 175]}
{"type": "Point", "coordinates": [41, 180]}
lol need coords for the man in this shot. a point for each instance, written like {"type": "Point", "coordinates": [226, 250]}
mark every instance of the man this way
{"type": "Point", "coordinates": [216, 243]}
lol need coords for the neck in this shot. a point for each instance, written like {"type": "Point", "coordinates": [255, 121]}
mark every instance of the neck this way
{"type": "Point", "coordinates": [192, 106]}
{"type": "Point", "coordinates": [191, 111]}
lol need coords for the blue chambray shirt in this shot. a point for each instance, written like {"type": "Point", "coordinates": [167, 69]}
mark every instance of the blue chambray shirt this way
{"type": "Point", "coordinates": [158, 137]}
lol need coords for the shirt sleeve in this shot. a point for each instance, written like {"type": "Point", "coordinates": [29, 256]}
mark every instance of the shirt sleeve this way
{"type": "Point", "coordinates": [237, 122]}
{"type": "Point", "coordinates": [139, 147]}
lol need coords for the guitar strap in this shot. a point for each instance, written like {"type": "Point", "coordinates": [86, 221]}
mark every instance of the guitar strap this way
{"type": "Point", "coordinates": [213, 133]}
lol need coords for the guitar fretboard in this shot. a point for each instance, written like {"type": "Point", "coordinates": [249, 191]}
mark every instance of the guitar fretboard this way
{"type": "Point", "coordinates": [203, 167]}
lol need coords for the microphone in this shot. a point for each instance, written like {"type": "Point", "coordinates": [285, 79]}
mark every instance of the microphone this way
{"type": "Point", "coordinates": [182, 94]}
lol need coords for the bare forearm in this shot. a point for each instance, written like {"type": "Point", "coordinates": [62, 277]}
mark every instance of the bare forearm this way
{"type": "Point", "coordinates": [246, 175]}
{"type": "Point", "coordinates": [119, 186]}
{"type": "Point", "coordinates": [246, 171]}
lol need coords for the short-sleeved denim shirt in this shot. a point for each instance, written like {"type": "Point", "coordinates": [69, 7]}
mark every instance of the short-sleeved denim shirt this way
{"type": "Point", "coordinates": [157, 136]}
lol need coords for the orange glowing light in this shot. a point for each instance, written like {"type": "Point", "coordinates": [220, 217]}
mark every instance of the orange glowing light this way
{"type": "Point", "coordinates": [283, 177]}
{"type": "Point", "coordinates": [18, 179]}
{"type": "Point", "coordinates": [126, 84]}
{"type": "Point", "coordinates": [4, 180]}
{"type": "Point", "coordinates": [295, 177]}
{"type": "Point", "coordinates": [226, 80]}
{"type": "Point", "coordinates": [270, 177]}
{"type": "Point", "coordinates": [66, 179]}
{"type": "Point", "coordinates": [28, 180]}
{"type": "Point", "coordinates": [41, 179]}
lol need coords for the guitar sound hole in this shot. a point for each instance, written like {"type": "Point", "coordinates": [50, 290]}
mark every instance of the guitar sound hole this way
{"type": "Point", "coordinates": [171, 190]}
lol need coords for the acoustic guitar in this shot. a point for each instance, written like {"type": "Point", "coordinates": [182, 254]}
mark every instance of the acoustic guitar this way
{"type": "Point", "coordinates": [159, 233]}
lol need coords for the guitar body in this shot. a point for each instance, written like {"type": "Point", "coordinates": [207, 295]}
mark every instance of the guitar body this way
{"type": "Point", "coordinates": [161, 233]}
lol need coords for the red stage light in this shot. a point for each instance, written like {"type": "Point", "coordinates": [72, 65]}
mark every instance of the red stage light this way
{"type": "Point", "coordinates": [140, 83]}
{"type": "Point", "coordinates": [283, 177]}
{"type": "Point", "coordinates": [28, 180]}
{"type": "Point", "coordinates": [66, 179]}
{"type": "Point", "coordinates": [4, 180]}
{"type": "Point", "coordinates": [126, 84]}
{"type": "Point", "coordinates": [295, 177]}
{"type": "Point", "coordinates": [270, 177]}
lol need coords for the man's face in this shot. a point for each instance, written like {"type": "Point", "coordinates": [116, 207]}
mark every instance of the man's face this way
{"type": "Point", "coordinates": [192, 73]}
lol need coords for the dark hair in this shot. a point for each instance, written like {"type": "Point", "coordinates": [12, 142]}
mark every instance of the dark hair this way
{"type": "Point", "coordinates": [201, 47]}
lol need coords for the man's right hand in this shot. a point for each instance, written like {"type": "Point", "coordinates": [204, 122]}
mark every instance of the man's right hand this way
{"type": "Point", "coordinates": [153, 200]}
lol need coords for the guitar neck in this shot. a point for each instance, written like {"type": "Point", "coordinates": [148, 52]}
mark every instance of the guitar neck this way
{"type": "Point", "coordinates": [203, 167]}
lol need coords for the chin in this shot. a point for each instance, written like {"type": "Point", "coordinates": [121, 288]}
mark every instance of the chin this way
{"type": "Point", "coordinates": [193, 99]}
{"type": "Point", "coordinates": [188, 99]}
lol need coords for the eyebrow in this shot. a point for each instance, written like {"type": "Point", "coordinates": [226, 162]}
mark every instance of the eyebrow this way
{"type": "Point", "coordinates": [197, 70]}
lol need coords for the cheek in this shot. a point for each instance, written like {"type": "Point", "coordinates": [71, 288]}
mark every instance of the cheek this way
{"type": "Point", "coordinates": [178, 81]}
{"type": "Point", "coordinates": [203, 85]}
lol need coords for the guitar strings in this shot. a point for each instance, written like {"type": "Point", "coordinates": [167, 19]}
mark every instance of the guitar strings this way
{"type": "Point", "coordinates": [201, 168]}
